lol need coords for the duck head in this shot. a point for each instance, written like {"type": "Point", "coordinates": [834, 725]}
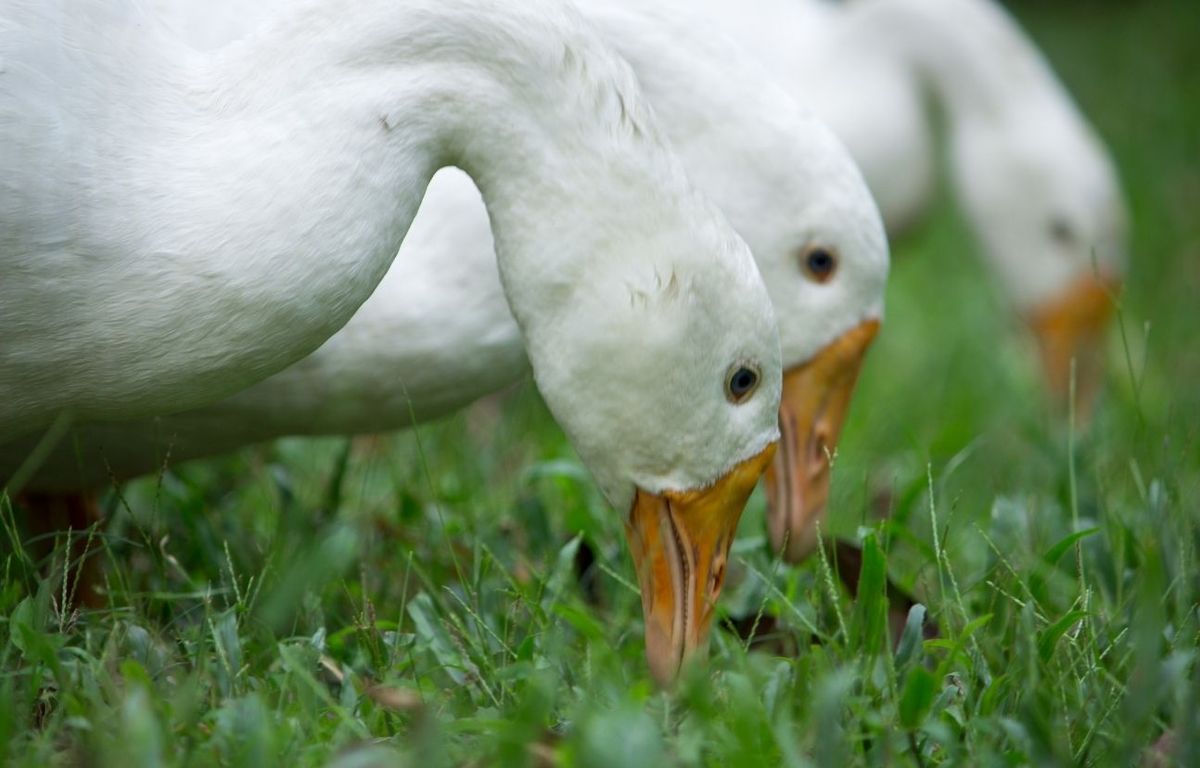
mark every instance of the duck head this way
{"type": "Point", "coordinates": [820, 242]}
{"type": "Point", "coordinates": [1044, 196]}
{"type": "Point", "coordinates": [663, 368]}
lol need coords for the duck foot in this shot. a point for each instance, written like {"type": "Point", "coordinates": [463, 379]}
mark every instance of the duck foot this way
{"type": "Point", "coordinates": [49, 514]}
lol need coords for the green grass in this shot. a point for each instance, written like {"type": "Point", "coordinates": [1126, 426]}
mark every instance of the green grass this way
{"type": "Point", "coordinates": [411, 599]}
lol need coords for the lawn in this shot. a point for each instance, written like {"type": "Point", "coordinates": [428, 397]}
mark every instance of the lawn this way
{"type": "Point", "coordinates": [415, 598]}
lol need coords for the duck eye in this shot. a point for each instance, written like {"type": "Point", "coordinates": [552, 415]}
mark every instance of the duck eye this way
{"type": "Point", "coordinates": [819, 264]}
{"type": "Point", "coordinates": [741, 383]}
{"type": "Point", "coordinates": [1061, 231]}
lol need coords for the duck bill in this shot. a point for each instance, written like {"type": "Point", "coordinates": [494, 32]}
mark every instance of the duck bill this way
{"type": "Point", "coordinates": [680, 542]}
{"type": "Point", "coordinates": [1070, 327]}
{"type": "Point", "coordinates": [816, 395]}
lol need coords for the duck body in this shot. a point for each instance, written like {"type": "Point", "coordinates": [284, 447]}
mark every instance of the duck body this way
{"type": "Point", "coordinates": [129, 286]}
{"type": "Point", "coordinates": [435, 335]}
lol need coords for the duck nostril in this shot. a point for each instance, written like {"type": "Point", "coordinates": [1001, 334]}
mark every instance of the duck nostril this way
{"type": "Point", "coordinates": [819, 457]}
{"type": "Point", "coordinates": [718, 578]}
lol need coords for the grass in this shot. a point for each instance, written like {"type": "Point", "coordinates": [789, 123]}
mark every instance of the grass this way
{"type": "Point", "coordinates": [411, 599]}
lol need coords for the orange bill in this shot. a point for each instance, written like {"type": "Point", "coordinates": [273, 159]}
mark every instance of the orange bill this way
{"type": "Point", "coordinates": [680, 541]}
{"type": "Point", "coordinates": [816, 395]}
{"type": "Point", "coordinates": [1071, 327]}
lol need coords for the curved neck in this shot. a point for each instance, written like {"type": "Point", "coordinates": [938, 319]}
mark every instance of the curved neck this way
{"type": "Point", "coordinates": [971, 53]}
{"type": "Point", "coordinates": [521, 96]}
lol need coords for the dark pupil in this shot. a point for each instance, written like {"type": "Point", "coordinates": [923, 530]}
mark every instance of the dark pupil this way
{"type": "Point", "coordinates": [743, 381]}
{"type": "Point", "coordinates": [820, 262]}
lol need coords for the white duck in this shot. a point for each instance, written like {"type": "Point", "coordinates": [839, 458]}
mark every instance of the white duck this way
{"type": "Point", "coordinates": [1034, 180]}
{"type": "Point", "coordinates": [788, 186]}
{"type": "Point", "coordinates": [175, 225]}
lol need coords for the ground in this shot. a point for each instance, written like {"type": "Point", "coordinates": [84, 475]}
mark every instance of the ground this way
{"type": "Point", "coordinates": [413, 599]}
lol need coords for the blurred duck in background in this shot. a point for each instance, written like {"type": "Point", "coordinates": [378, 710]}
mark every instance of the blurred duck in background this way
{"type": "Point", "coordinates": [437, 333]}
{"type": "Point", "coordinates": [1034, 180]}
{"type": "Point", "coordinates": [176, 225]}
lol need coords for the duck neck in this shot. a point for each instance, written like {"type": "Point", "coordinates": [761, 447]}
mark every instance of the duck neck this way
{"type": "Point", "coordinates": [970, 53]}
{"type": "Point", "coordinates": [310, 143]}
{"type": "Point", "coordinates": [524, 98]}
